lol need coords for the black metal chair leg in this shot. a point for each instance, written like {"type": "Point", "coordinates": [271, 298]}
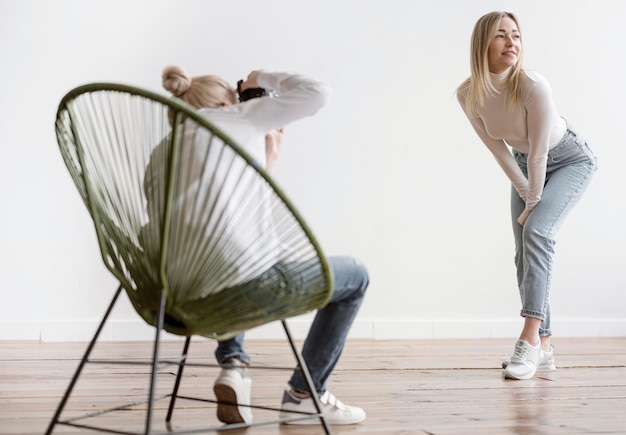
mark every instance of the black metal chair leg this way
{"type": "Point", "coordinates": [82, 363]}
{"type": "Point", "coordinates": [179, 375]}
{"type": "Point", "coordinates": [307, 378]}
{"type": "Point", "coordinates": [160, 316]}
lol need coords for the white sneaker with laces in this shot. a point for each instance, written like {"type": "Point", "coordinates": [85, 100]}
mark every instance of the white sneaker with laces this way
{"type": "Point", "coordinates": [232, 390]}
{"type": "Point", "coordinates": [333, 409]}
{"type": "Point", "coordinates": [524, 362]}
{"type": "Point", "coordinates": [545, 365]}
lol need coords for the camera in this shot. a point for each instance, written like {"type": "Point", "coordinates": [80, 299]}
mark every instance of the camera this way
{"type": "Point", "coordinates": [250, 93]}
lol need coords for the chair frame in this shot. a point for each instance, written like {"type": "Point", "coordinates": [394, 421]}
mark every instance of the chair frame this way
{"type": "Point", "coordinates": [156, 360]}
{"type": "Point", "coordinates": [155, 363]}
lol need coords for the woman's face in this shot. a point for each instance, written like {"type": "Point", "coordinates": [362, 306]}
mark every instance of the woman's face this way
{"type": "Point", "coordinates": [505, 46]}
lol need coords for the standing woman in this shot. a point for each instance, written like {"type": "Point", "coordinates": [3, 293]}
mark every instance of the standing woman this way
{"type": "Point", "coordinates": [548, 163]}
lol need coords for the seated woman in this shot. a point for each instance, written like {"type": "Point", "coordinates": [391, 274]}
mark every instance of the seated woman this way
{"type": "Point", "coordinates": [257, 253]}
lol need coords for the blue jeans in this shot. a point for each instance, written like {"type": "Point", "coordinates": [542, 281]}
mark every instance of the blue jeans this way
{"type": "Point", "coordinates": [570, 168]}
{"type": "Point", "coordinates": [329, 330]}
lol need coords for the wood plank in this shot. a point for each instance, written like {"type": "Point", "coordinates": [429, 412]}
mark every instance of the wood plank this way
{"type": "Point", "coordinates": [406, 387]}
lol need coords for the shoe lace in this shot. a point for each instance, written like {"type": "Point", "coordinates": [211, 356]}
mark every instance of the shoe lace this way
{"type": "Point", "coordinates": [520, 352]}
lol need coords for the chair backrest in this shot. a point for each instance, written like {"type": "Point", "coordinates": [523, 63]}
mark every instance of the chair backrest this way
{"type": "Point", "coordinates": [179, 207]}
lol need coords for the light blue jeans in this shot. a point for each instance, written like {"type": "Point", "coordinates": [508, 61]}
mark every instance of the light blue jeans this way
{"type": "Point", "coordinates": [570, 168]}
{"type": "Point", "coordinates": [329, 330]}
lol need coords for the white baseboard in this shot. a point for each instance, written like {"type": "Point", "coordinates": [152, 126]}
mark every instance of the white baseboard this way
{"type": "Point", "coordinates": [137, 330]}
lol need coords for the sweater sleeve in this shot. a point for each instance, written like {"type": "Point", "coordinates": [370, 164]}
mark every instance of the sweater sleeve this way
{"type": "Point", "coordinates": [540, 109]}
{"type": "Point", "coordinates": [499, 150]}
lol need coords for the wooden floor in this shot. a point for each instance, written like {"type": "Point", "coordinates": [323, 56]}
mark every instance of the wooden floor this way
{"type": "Point", "coordinates": [406, 387]}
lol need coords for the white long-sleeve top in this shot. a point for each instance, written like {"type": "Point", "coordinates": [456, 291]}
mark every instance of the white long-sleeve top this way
{"type": "Point", "coordinates": [242, 217]}
{"type": "Point", "coordinates": [248, 123]}
{"type": "Point", "coordinates": [532, 128]}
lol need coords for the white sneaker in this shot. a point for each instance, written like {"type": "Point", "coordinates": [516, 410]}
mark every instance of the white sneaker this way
{"type": "Point", "coordinates": [232, 390]}
{"type": "Point", "coordinates": [333, 409]}
{"type": "Point", "coordinates": [524, 362]}
{"type": "Point", "coordinates": [545, 365]}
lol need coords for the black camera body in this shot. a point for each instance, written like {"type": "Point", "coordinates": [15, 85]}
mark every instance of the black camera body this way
{"type": "Point", "coordinates": [249, 93]}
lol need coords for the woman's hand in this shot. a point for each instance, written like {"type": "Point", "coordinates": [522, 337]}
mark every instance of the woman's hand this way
{"type": "Point", "coordinates": [251, 81]}
{"type": "Point", "coordinates": [523, 217]}
{"type": "Point", "coordinates": [273, 144]}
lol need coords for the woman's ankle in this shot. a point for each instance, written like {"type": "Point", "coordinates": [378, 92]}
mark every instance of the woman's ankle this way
{"type": "Point", "coordinates": [299, 395]}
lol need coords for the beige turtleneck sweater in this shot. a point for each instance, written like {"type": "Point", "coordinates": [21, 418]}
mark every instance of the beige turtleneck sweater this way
{"type": "Point", "coordinates": [532, 128]}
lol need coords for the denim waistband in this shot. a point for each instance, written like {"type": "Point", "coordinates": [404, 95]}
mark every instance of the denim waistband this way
{"type": "Point", "coordinates": [569, 131]}
{"type": "Point", "coordinates": [570, 128]}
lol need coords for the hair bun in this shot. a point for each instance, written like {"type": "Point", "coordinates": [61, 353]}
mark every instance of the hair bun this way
{"type": "Point", "coordinates": [176, 80]}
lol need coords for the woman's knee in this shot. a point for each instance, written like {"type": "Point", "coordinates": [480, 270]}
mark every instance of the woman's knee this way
{"type": "Point", "coordinates": [350, 272]}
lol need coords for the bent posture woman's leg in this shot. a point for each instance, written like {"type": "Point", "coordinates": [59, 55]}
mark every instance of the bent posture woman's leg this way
{"type": "Point", "coordinates": [565, 185]}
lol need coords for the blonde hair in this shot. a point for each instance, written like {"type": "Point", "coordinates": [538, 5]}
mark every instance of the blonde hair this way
{"type": "Point", "coordinates": [204, 91]}
{"type": "Point", "coordinates": [479, 84]}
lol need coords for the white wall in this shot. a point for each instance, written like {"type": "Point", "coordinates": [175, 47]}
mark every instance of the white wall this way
{"type": "Point", "coordinates": [390, 171]}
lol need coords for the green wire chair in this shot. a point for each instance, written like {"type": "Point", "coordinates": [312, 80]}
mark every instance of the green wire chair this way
{"type": "Point", "coordinates": [179, 222]}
